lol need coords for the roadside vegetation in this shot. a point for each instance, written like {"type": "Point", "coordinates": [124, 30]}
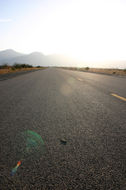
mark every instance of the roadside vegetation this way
{"type": "Point", "coordinates": [99, 70]}
{"type": "Point", "coordinates": [5, 68]}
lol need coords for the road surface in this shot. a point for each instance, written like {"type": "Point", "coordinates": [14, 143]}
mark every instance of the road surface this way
{"type": "Point", "coordinates": [87, 110]}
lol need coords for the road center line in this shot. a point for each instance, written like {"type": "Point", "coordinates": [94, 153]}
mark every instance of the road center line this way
{"type": "Point", "coordinates": [79, 79]}
{"type": "Point", "coordinates": [121, 98]}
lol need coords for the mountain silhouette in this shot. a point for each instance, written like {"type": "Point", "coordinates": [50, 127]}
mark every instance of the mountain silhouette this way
{"type": "Point", "coordinates": [8, 54]}
{"type": "Point", "coordinates": [10, 57]}
{"type": "Point", "coordinates": [36, 58]}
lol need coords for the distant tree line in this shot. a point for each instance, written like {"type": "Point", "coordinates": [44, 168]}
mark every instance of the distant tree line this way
{"type": "Point", "coordinates": [20, 66]}
{"type": "Point", "coordinates": [4, 66]}
{"type": "Point", "coordinates": [16, 66]}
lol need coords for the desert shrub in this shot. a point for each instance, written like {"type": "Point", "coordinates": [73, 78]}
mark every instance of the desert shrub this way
{"type": "Point", "coordinates": [4, 66]}
{"type": "Point", "coordinates": [114, 72]}
{"type": "Point", "coordinates": [125, 70]}
{"type": "Point", "coordinates": [12, 68]}
{"type": "Point", "coordinates": [19, 66]}
{"type": "Point", "coordinates": [27, 66]}
{"type": "Point", "coordinates": [87, 68]}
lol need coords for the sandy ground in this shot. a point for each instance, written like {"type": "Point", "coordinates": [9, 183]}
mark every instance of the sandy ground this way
{"type": "Point", "coordinates": [9, 70]}
{"type": "Point", "coordinates": [99, 70]}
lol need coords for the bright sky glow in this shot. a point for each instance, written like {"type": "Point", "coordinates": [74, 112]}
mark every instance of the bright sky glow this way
{"type": "Point", "coordinates": [90, 30]}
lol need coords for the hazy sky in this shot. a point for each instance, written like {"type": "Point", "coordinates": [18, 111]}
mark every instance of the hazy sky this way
{"type": "Point", "coordinates": [86, 29]}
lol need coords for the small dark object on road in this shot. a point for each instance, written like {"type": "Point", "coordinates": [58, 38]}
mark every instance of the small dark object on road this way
{"type": "Point", "coordinates": [63, 141]}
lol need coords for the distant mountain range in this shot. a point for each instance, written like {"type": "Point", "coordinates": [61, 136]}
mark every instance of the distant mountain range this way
{"type": "Point", "coordinates": [10, 57]}
{"type": "Point", "coordinates": [8, 54]}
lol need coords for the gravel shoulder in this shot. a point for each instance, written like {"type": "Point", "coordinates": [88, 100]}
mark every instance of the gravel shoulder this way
{"type": "Point", "coordinates": [15, 74]}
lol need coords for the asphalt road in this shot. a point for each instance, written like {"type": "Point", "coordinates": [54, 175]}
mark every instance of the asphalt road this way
{"type": "Point", "coordinates": [75, 106]}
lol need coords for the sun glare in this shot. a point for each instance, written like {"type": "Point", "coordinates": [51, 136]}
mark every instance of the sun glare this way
{"type": "Point", "coordinates": [85, 29]}
{"type": "Point", "coordinates": [82, 30]}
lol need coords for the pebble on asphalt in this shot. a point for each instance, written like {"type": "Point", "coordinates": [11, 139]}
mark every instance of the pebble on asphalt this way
{"type": "Point", "coordinates": [63, 141]}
